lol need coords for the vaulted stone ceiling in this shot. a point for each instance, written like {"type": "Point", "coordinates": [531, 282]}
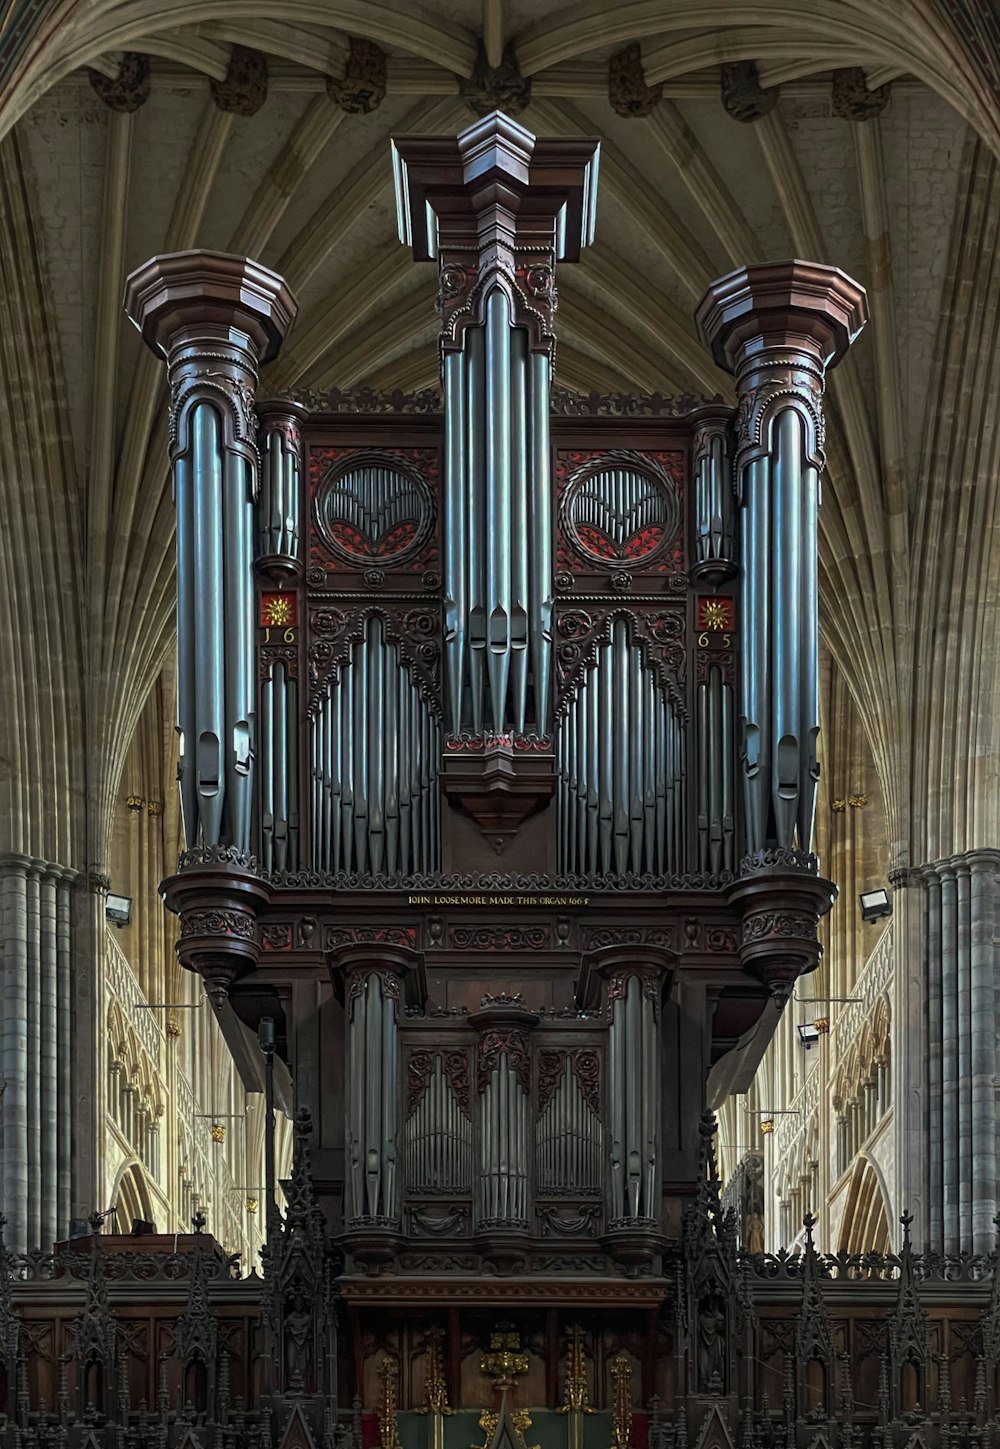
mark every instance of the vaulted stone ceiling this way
{"type": "Point", "coordinates": [905, 197]}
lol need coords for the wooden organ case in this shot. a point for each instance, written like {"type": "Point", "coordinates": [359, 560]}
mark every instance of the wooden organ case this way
{"type": "Point", "coordinates": [498, 719]}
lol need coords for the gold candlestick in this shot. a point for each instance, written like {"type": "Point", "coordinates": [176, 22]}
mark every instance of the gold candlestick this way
{"type": "Point", "coordinates": [576, 1402]}
{"type": "Point", "coordinates": [621, 1379]}
{"type": "Point", "coordinates": [388, 1434]}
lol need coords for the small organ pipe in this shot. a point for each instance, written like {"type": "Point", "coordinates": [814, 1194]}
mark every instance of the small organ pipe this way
{"type": "Point", "coordinates": [376, 746]}
{"type": "Point", "coordinates": [279, 501]}
{"type": "Point", "coordinates": [620, 780]}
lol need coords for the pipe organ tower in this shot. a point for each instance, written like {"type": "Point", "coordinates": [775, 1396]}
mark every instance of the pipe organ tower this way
{"type": "Point", "coordinates": [498, 732]}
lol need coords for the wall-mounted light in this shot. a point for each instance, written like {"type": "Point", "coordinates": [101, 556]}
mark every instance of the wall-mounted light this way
{"type": "Point", "coordinates": [875, 904]}
{"type": "Point", "coordinates": [118, 910]}
{"type": "Point", "coordinates": [808, 1034]}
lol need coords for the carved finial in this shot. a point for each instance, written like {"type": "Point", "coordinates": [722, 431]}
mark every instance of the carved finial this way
{"type": "Point", "coordinates": [198, 1222]}
{"type": "Point", "coordinates": [620, 1369]}
{"type": "Point", "coordinates": [388, 1372]}
{"type": "Point", "coordinates": [627, 89]}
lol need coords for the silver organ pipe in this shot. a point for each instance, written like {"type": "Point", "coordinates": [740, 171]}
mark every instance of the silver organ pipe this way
{"type": "Point", "coordinates": [504, 1123]}
{"type": "Point", "coordinates": [438, 1140]}
{"type": "Point", "coordinates": [213, 488]}
{"type": "Point", "coordinates": [634, 1094]}
{"type": "Point", "coordinates": [373, 1107]}
{"type": "Point", "coordinates": [716, 803]}
{"type": "Point", "coordinates": [498, 548]}
{"type": "Point", "coordinates": [278, 771]}
{"type": "Point", "coordinates": [216, 319]}
{"type": "Point", "coordinates": [568, 1140]}
{"type": "Point", "coordinates": [279, 500]}
{"type": "Point", "coordinates": [375, 744]}
{"type": "Point", "coordinates": [620, 758]}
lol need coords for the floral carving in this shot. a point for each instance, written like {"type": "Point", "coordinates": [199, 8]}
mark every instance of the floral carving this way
{"type": "Point", "coordinates": [787, 923]}
{"type": "Point", "coordinates": [499, 938]}
{"type": "Point", "coordinates": [496, 1044]}
{"type": "Point", "coordinates": [587, 1070]}
{"type": "Point", "coordinates": [218, 923]}
{"type": "Point", "coordinates": [276, 937]}
{"type": "Point", "coordinates": [551, 1065]}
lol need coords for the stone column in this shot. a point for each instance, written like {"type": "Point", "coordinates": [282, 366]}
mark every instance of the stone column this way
{"type": "Point", "coordinates": [956, 1177]}
{"type": "Point", "coordinates": [36, 1046]}
{"type": "Point", "coordinates": [215, 319]}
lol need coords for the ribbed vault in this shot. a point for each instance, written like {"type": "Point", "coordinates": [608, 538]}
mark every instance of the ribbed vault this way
{"type": "Point", "coordinates": [687, 192]}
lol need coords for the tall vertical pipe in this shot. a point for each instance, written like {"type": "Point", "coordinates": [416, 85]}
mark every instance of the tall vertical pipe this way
{"type": "Point", "coordinates": [498, 484]}
{"type": "Point", "coordinates": [476, 523]}
{"type": "Point", "coordinates": [455, 545]}
{"type": "Point", "coordinates": [779, 328]}
{"type": "Point", "coordinates": [215, 318]}
{"type": "Point", "coordinates": [488, 208]}
{"type": "Point", "coordinates": [520, 530]}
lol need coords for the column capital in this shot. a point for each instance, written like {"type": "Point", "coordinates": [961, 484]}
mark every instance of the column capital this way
{"type": "Point", "coordinates": [791, 306]}
{"type": "Point", "coordinates": [210, 293]}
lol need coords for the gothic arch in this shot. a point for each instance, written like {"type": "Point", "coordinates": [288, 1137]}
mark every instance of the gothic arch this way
{"type": "Point", "coordinates": [131, 1197]}
{"type": "Point", "coordinates": [865, 1226]}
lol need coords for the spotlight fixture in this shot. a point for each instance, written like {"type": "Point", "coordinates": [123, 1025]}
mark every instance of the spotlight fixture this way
{"type": "Point", "coordinates": [809, 1033]}
{"type": "Point", "coordinates": [875, 904]}
{"type": "Point", "coordinates": [118, 910]}
{"type": "Point", "coordinates": [142, 1228]}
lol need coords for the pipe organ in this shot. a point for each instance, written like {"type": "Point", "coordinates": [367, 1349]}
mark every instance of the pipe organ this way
{"type": "Point", "coordinates": [498, 719]}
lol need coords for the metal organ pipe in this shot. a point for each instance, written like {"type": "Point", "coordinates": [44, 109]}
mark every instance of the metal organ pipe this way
{"type": "Point", "coordinates": [375, 744]}
{"type": "Point", "coordinates": [438, 1140]}
{"type": "Point", "coordinates": [620, 757]}
{"type": "Point", "coordinates": [373, 1108]}
{"type": "Point", "coordinates": [215, 318]}
{"type": "Point", "coordinates": [498, 554]}
{"type": "Point", "coordinates": [634, 1094]}
{"type": "Point", "coordinates": [778, 328]}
